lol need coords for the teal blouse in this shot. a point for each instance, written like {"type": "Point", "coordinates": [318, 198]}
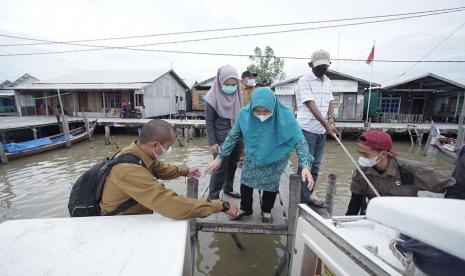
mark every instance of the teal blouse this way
{"type": "Point", "coordinates": [267, 176]}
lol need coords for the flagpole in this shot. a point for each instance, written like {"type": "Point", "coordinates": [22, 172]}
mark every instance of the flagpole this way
{"type": "Point", "coordinates": [369, 89]}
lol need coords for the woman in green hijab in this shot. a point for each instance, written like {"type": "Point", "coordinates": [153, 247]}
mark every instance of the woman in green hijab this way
{"type": "Point", "coordinates": [270, 133]}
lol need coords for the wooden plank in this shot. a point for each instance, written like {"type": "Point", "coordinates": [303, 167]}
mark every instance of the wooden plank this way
{"type": "Point", "coordinates": [250, 224]}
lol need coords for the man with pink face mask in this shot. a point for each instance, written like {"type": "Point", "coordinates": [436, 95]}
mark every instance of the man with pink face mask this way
{"type": "Point", "coordinates": [390, 175]}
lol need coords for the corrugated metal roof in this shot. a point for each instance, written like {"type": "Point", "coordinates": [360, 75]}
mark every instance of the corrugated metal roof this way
{"type": "Point", "coordinates": [207, 83]}
{"type": "Point", "coordinates": [333, 75]}
{"type": "Point", "coordinates": [102, 79]}
{"type": "Point", "coordinates": [427, 81]}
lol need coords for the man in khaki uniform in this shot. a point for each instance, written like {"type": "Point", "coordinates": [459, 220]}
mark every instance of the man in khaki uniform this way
{"type": "Point", "coordinates": [248, 84]}
{"type": "Point", "coordinates": [141, 182]}
{"type": "Point", "coordinates": [390, 175]}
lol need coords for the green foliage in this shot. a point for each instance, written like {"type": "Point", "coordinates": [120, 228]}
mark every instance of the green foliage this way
{"type": "Point", "coordinates": [267, 65]}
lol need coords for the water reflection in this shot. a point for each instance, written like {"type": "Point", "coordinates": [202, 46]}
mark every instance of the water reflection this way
{"type": "Point", "coordinates": [39, 186]}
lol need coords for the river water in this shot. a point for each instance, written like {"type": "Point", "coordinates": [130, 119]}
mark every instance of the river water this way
{"type": "Point", "coordinates": [39, 186]}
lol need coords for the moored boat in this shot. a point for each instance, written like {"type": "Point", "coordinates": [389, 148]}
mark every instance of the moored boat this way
{"type": "Point", "coordinates": [28, 148]}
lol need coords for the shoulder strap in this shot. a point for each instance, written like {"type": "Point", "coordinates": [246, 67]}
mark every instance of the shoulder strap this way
{"type": "Point", "coordinates": [125, 158]}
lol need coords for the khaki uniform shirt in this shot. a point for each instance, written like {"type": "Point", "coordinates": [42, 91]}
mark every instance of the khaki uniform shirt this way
{"type": "Point", "coordinates": [389, 182]}
{"type": "Point", "coordinates": [247, 92]}
{"type": "Point", "coordinates": [131, 180]}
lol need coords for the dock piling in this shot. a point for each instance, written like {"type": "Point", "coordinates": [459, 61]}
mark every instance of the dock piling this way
{"type": "Point", "coordinates": [3, 158]}
{"type": "Point", "coordinates": [86, 124]}
{"type": "Point", "coordinates": [66, 131]}
{"type": "Point", "coordinates": [107, 135]}
{"type": "Point", "coordinates": [192, 192]}
{"type": "Point", "coordinates": [330, 193]}
{"type": "Point", "coordinates": [34, 132]}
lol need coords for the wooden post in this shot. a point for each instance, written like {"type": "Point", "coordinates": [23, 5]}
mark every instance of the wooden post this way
{"type": "Point", "coordinates": [139, 130]}
{"type": "Point", "coordinates": [66, 131]}
{"type": "Point", "coordinates": [64, 120]}
{"type": "Point", "coordinates": [107, 135]}
{"type": "Point", "coordinates": [330, 193]}
{"type": "Point", "coordinates": [459, 140]}
{"type": "Point", "coordinates": [34, 132]}
{"type": "Point", "coordinates": [3, 158]}
{"type": "Point", "coordinates": [192, 192]}
{"type": "Point", "coordinates": [74, 105]}
{"type": "Point", "coordinates": [86, 125]}
{"type": "Point", "coordinates": [105, 104]}
{"type": "Point", "coordinates": [428, 142]}
{"type": "Point", "coordinates": [3, 138]}
{"type": "Point", "coordinates": [294, 199]}
{"type": "Point", "coordinates": [46, 103]}
{"type": "Point", "coordinates": [410, 135]}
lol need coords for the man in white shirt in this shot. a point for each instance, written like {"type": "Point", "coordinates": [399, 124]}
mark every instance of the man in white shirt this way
{"type": "Point", "coordinates": [315, 113]}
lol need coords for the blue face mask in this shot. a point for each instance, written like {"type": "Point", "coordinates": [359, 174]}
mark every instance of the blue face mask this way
{"type": "Point", "coordinates": [229, 89]}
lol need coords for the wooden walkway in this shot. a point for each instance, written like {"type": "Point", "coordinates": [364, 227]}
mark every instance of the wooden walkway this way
{"type": "Point", "coordinates": [12, 123]}
{"type": "Point", "coordinates": [252, 224]}
{"type": "Point", "coordinates": [284, 214]}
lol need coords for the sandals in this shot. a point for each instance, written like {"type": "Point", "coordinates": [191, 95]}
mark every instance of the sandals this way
{"type": "Point", "coordinates": [266, 219]}
{"type": "Point", "coordinates": [241, 215]}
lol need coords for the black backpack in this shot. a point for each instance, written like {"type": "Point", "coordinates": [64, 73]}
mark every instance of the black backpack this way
{"type": "Point", "coordinates": [84, 200]}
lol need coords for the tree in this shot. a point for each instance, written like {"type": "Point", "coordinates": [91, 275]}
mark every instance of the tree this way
{"type": "Point", "coordinates": [267, 65]}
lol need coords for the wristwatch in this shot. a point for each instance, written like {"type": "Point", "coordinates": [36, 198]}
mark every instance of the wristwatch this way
{"type": "Point", "coordinates": [225, 206]}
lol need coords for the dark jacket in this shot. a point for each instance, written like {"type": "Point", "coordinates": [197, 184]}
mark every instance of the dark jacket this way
{"type": "Point", "coordinates": [217, 127]}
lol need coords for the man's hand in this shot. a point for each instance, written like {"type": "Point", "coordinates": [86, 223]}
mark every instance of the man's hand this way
{"type": "Point", "coordinates": [194, 172]}
{"type": "Point", "coordinates": [307, 177]}
{"type": "Point", "coordinates": [214, 148]}
{"type": "Point", "coordinates": [213, 166]}
{"type": "Point", "coordinates": [233, 210]}
{"type": "Point", "coordinates": [331, 129]}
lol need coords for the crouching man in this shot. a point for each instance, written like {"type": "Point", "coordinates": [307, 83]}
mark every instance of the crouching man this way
{"type": "Point", "coordinates": [140, 182]}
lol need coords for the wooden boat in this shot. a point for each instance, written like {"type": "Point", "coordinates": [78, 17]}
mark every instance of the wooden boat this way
{"type": "Point", "coordinates": [56, 141]}
{"type": "Point", "coordinates": [446, 146]}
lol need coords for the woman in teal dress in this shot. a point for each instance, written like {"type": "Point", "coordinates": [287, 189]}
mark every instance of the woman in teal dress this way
{"type": "Point", "coordinates": [270, 133]}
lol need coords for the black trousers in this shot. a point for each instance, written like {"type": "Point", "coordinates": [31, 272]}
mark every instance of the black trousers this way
{"type": "Point", "coordinates": [268, 199]}
{"type": "Point", "coordinates": [223, 178]}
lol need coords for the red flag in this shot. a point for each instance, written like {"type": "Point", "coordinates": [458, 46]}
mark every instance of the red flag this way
{"type": "Point", "coordinates": [371, 56]}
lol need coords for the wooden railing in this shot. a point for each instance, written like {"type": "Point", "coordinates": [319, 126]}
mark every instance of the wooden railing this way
{"type": "Point", "coordinates": [399, 118]}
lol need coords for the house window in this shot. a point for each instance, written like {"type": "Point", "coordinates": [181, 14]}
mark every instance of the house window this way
{"type": "Point", "coordinates": [390, 104]}
{"type": "Point", "coordinates": [113, 100]}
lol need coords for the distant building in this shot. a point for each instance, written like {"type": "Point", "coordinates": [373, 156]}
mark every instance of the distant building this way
{"type": "Point", "coordinates": [420, 99]}
{"type": "Point", "coordinates": [10, 103]}
{"type": "Point", "coordinates": [347, 91]}
{"type": "Point", "coordinates": [105, 93]}
{"type": "Point", "coordinates": [199, 90]}
{"type": "Point", "coordinates": [7, 99]}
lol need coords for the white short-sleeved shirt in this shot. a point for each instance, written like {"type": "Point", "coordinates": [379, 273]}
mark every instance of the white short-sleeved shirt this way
{"type": "Point", "coordinates": [311, 88]}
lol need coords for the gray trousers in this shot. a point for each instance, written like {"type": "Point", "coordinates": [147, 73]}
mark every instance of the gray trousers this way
{"type": "Point", "coordinates": [223, 178]}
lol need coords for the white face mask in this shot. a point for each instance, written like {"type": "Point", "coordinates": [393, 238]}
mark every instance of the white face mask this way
{"type": "Point", "coordinates": [165, 153]}
{"type": "Point", "coordinates": [251, 82]}
{"type": "Point", "coordinates": [263, 118]}
{"type": "Point", "coordinates": [368, 162]}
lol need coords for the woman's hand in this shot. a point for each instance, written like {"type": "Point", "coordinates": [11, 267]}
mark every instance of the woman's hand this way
{"type": "Point", "coordinates": [194, 172]}
{"type": "Point", "coordinates": [307, 177]}
{"type": "Point", "coordinates": [214, 148]}
{"type": "Point", "coordinates": [213, 166]}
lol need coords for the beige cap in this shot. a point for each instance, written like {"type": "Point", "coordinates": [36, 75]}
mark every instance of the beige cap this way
{"type": "Point", "coordinates": [320, 57]}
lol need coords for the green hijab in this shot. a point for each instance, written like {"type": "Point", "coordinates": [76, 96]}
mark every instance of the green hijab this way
{"type": "Point", "coordinates": [271, 140]}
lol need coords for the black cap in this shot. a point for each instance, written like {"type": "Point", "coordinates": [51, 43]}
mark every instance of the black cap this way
{"type": "Point", "coordinates": [248, 74]}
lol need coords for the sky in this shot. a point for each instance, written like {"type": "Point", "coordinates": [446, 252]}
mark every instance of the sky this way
{"type": "Point", "coordinates": [62, 20]}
